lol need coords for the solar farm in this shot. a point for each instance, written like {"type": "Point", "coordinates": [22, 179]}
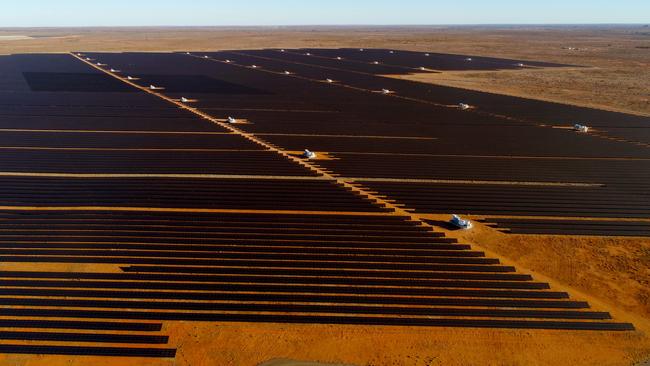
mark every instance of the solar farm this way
{"type": "Point", "coordinates": [141, 190]}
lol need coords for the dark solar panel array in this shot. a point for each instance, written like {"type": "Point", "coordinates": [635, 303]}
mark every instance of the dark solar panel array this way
{"type": "Point", "coordinates": [61, 117]}
{"type": "Point", "coordinates": [262, 194]}
{"type": "Point", "coordinates": [457, 146]}
{"type": "Point", "coordinates": [73, 82]}
{"type": "Point", "coordinates": [535, 111]}
{"type": "Point", "coordinates": [430, 60]}
{"type": "Point", "coordinates": [149, 162]}
{"type": "Point", "coordinates": [198, 84]}
{"type": "Point", "coordinates": [357, 270]}
{"type": "Point", "coordinates": [618, 172]}
{"type": "Point", "coordinates": [187, 249]}
{"type": "Point", "coordinates": [519, 200]}
{"type": "Point", "coordinates": [123, 140]}
{"type": "Point", "coordinates": [570, 227]}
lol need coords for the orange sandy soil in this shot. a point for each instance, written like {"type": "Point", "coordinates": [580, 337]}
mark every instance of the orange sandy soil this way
{"type": "Point", "coordinates": [253, 344]}
{"type": "Point", "coordinates": [613, 269]}
{"type": "Point", "coordinates": [612, 273]}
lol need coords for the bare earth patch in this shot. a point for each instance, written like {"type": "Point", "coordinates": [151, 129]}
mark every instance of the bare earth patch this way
{"type": "Point", "coordinates": [615, 270]}
{"type": "Point", "coordinates": [14, 38]}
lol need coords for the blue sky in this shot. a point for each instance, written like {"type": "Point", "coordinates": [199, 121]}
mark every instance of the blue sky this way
{"type": "Point", "coordinates": [29, 13]}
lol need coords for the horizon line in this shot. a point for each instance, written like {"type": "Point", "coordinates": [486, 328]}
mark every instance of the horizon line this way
{"type": "Point", "coordinates": [326, 25]}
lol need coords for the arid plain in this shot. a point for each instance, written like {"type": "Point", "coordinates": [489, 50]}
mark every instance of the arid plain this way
{"type": "Point", "coordinates": [612, 273]}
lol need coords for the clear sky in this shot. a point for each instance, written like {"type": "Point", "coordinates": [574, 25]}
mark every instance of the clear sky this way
{"type": "Point", "coordinates": [31, 13]}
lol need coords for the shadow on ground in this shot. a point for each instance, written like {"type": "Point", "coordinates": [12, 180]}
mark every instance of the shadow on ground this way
{"type": "Point", "coordinates": [442, 224]}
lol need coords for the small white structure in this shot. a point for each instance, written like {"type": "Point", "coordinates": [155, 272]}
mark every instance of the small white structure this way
{"type": "Point", "coordinates": [391, 52]}
{"type": "Point", "coordinates": [87, 58]}
{"type": "Point", "coordinates": [520, 65]}
{"type": "Point", "coordinates": [329, 80]}
{"type": "Point", "coordinates": [427, 54]}
{"type": "Point", "coordinates": [339, 58]}
{"type": "Point", "coordinates": [153, 87]}
{"type": "Point", "coordinates": [386, 91]}
{"type": "Point", "coordinates": [113, 70]}
{"type": "Point", "coordinates": [187, 53]}
{"type": "Point", "coordinates": [307, 54]}
{"type": "Point", "coordinates": [287, 73]}
{"type": "Point", "coordinates": [375, 62]}
{"type": "Point", "coordinates": [100, 64]}
{"type": "Point", "coordinates": [282, 50]}
{"type": "Point", "coordinates": [468, 59]}
{"type": "Point", "coordinates": [228, 61]}
{"type": "Point", "coordinates": [231, 120]}
{"type": "Point", "coordinates": [460, 223]}
{"type": "Point", "coordinates": [580, 128]}
{"type": "Point", "coordinates": [130, 78]}
{"type": "Point", "coordinates": [254, 66]}
{"type": "Point", "coordinates": [361, 49]}
{"type": "Point", "coordinates": [206, 56]}
{"type": "Point", "coordinates": [422, 68]}
{"type": "Point", "coordinates": [308, 154]}
{"type": "Point", "coordinates": [464, 106]}
{"type": "Point", "coordinates": [185, 100]}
